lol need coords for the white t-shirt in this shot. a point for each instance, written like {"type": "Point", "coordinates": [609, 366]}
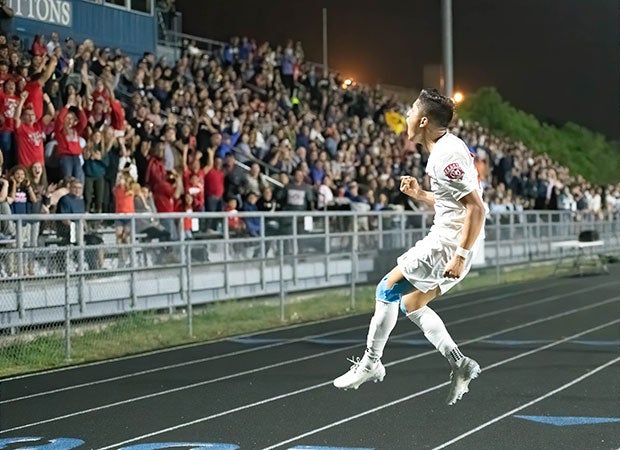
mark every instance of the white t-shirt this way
{"type": "Point", "coordinates": [453, 176]}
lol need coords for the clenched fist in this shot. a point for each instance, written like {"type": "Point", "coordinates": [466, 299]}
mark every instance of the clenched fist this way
{"type": "Point", "coordinates": [410, 186]}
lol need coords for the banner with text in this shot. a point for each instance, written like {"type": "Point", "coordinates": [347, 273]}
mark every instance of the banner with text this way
{"type": "Point", "coordinates": [57, 12]}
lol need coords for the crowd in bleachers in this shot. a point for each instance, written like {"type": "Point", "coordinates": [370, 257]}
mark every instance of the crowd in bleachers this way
{"type": "Point", "coordinates": [250, 127]}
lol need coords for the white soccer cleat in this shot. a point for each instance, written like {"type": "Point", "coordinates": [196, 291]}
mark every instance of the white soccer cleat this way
{"type": "Point", "coordinates": [360, 373]}
{"type": "Point", "coordinates": [466, 370]}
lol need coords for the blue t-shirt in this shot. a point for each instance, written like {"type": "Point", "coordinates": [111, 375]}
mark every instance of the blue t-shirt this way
{"type": "Point", "coordinates": [70, 204]}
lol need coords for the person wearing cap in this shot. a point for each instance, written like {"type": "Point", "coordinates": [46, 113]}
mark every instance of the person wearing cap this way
{"type": "Point", "coordinates": [68, 48]}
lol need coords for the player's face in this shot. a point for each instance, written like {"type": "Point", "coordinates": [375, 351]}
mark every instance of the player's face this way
{"type": "Point", "coordinates": [413, 123]}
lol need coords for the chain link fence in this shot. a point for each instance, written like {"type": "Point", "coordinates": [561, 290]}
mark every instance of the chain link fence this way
{"type": "Point", "coordinates": [79, 288]}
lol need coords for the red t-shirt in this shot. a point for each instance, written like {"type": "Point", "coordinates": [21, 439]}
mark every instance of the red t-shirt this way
{"type": "Point", "coordinates": [196, 190]}
{"type": "Point", "coordinates": [30, 148]}
{"type": "Point", "coordinates": [100, 94]}
{"type": "Point", "coordinates": [35, 96]}
{"type": "Point", "coordinates": [214, 183]}
{"type": "Point", "coordinates": [163, 192]}
{"type": "Point", "coordinates": [69, 143]}
{"type": "Point", "coordinates": [8, 105]}
{"type": "Point", "coordinates": [123, 200]}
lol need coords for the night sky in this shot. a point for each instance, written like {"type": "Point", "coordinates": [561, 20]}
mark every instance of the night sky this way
{"type": "Point", "coordinates": [558, 59]}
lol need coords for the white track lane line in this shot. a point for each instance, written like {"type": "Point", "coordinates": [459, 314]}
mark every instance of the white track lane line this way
{"type": "Point", "coordinates": [316, 355]}
{"type": "Point", "coordinates": [253, 333]}
{"type": "Point", "coordinates": [431, 352]}
{"type": "Point", "coordinates": [239, 352]}
{"type": "Point", "coordinates": [530, 403]}
{"type": "Point", "coordinates": [438, 386]}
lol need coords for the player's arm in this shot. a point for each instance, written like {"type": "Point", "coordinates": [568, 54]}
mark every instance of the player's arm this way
{"type": "Point", "coordinates": [410, 186]}
{"type": "Point", "coordinates": [474, 221]}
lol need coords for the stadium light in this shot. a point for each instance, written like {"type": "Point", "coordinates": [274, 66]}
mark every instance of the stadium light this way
{"type": "Point", "coordinates": [458, 97]}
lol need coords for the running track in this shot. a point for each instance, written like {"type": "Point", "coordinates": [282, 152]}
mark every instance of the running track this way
{"type": "Point", "coordinates": [549, 348]}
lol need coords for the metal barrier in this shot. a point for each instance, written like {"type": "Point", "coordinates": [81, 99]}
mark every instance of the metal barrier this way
{"type": "Point", "coordinates": [62, 269]}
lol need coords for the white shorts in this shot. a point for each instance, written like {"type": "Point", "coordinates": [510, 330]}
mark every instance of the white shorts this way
{"type": "Point", "coordinates": [423, 265]}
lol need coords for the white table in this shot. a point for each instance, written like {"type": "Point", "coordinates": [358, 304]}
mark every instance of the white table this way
{"type": "Point", "coordinates": [584, 254]}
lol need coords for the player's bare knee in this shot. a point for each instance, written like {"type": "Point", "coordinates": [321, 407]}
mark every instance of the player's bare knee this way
{"type": "Point", "coordinates": [416, 300]}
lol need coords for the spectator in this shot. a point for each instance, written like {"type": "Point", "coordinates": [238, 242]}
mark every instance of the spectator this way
{"type": "Point", "coordinates": [252, 224]}
{"type": "Point", "coordinates": [7, 227]}
{"type": "Point", "coordinates": [29, 132]}
{"type": "Point", "coordinates": [124, 202]}
{"type": "Point", "coordinates": [267, 203]}
{"type": "Point", "coordinates": [143, 203]}
{"type": "Point", "coordinates": [70, 124]}
{"type": "Point", "coordinates": [288, 67]}
{"type": "Point", "coordinates": [194, 181]}
{"type": "Point", "coordinates": [325, 193]}
{"type": "Point", "coordinates": [214, 183]}
{"type": "Point", "coordinates": [73, 203]}
{"type": "Point", "coordinates": [21, 198]}
{"type": "Point", "coordinates": [53, 43]}
{"type": "Point", "coordinates": [298, 195]}
{"type": "Point", "coordinates": [166, 187]}
{"type": "Point", "coordinates": [253, 181]}
{"type": "Point", "coordinates": [8, 107]}
{"type": "Point", "coordinates": [235, 224]}
{"type": "Point", "coordinates": [6, 18]}
{"type": "Point", "coordinates": [95, 168]}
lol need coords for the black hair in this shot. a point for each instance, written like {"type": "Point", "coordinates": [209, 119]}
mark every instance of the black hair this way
{"type": "Point", "coordinates": [438, 108]}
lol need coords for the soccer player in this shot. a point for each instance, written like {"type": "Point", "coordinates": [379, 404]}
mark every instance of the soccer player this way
{"type": "Point", "coordinates": [437, 262]}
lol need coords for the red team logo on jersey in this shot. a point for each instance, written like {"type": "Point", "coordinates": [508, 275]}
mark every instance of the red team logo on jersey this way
{"type": "Point", "coordinates": [454, 171]}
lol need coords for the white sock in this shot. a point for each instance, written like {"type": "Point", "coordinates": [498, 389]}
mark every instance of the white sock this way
{"type": "Point", "coordinates": [435, 331]}
{"type": "Point", "coordinates": [381, 325]}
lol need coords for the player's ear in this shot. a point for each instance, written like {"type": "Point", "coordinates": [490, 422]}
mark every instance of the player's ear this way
{"type": "Point", "coordinates": [423, 122]}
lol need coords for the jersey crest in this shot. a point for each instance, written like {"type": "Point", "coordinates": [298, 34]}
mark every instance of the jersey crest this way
{"type": "Point", "coordinates": [454, 171]}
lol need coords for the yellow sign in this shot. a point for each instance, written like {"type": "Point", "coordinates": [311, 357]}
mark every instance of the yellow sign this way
{"type": "Point", "coordinates": [395, 121]}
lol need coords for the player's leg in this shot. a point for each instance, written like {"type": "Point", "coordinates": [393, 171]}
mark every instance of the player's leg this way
{"type": "Point", "coordinates": [464, 369]}
{"type": "Point", "coordinates": [388, 294]}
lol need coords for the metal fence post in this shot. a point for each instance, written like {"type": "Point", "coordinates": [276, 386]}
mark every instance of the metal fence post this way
{"type": "Point", "coordinates": [263, 253]}
{"type": "Point", "coordinates": [295, 250]}
{"type": "Point", "coordinates": [354, 246]}
{"type": "Point", "coordinates": [20, 268]}
{"type": "Point", "coordinates": [282, 290]}
{"type": "Point", "coordinates": [188, 262]}
{"type": "Point", "coordinates": [182, 261]}
{"type": "Point", "coordinates": [380, 228]}
{"type": "Point", "coordinates": [67, 305]}
{"type": "Point", "coordinates": [133, 261]}
{"type": "Point", "coordinates": [81, 265]}
{"type": "Point", "coordinates": [226, 233]}
{"type": "Point", "coordinates": [327, 248]}
{"type": "Point", "coordinates": [403, 218]}
{"type": "Point", "coordinates": [497, 236]}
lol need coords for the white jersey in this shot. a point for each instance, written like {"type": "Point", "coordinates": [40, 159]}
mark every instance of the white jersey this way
{"type": "Point", "coordinates": [453, 175]}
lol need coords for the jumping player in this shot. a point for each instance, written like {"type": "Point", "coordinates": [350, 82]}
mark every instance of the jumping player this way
{"type": "Point", "coordinates": [437, 262]}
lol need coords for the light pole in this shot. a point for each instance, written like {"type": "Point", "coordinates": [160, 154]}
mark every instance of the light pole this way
{"type": "Point", "coordinates": [446, 25]}
{"type": "Point", "coordinates": [325, 69]}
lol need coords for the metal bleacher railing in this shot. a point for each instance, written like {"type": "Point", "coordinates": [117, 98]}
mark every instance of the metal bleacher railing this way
{"type": "Point", "coordinates": [78, 272]}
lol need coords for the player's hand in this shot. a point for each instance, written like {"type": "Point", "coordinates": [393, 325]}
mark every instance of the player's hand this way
{"type": "Point", "coordinates": [410, 186]}
{"type": "Point", "coordinates": [455, 267]}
